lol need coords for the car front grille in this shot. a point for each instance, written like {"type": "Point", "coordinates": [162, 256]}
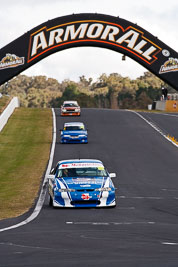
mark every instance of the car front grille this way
{"type": "Point", "coordinates": [85, 190]}
{"type": "Point", "coordinates": [70, 110]}
{"type": "Point", "coordinates": [85, 202]}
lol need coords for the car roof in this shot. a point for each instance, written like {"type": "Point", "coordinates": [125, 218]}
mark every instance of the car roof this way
{"type": "Point", "coordinates": [80, 161]}
{"type": "Point", "coordinates": [67, 102]}
{"type": "Point", "coordinates": [73, 124]}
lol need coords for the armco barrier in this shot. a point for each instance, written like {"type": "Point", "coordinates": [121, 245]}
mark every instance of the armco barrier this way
{"type": "Point", "coordinates": [8, 112]}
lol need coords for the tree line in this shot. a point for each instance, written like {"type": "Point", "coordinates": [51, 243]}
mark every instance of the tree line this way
{"type": "Point", "coordinates": [109, 91]}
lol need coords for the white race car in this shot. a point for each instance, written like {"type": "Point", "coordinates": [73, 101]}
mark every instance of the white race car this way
{"type": "Point", "coordinates": [70, 108]}
{"type": "Point", "coordinates": [81, 183]}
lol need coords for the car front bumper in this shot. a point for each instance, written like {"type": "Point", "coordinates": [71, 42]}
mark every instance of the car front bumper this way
{"type": "Point", "coordinates": [69, 140]}
{"type": "Point", "coordinates": [66, 200]}
{"type": "Point", "coordinates": [70, 113]}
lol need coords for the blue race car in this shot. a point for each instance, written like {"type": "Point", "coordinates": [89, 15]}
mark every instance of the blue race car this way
{"type": "Point", "coordinates": [74, 132]}
{"type": "Point", "coordinates": [81, 183]}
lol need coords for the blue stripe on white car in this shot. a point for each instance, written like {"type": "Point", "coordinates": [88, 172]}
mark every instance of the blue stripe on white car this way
{"type": "Point", "coordinates": [64, 195]}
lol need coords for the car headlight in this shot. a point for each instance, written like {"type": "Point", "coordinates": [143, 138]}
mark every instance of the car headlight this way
{"type": "Point", "coordinates": [66, 135]}
{"type": "Point", "coordinates": [103, 189]}
{"type": "Point", "coordinates": [82, 135]}
{"type": "Point", "coordinates": [63, 110]}
{"type": "Point", "coordinates": [66, 190]}
{"type": "Point", "coordinates": [77, 109]}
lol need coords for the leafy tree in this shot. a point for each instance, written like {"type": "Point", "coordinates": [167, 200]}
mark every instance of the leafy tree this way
{"type": "Point", "coordinates": [109, 91]}
{"type": "Point", "coordinates": [70, 92]}
{"type": "Point", "coordinates": [143, 101]}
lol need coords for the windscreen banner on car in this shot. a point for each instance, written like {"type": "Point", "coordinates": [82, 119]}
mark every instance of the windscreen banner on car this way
{"type": "Point", "coordinates": [81, 165]}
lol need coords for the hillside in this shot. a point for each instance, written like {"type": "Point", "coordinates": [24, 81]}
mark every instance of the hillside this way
{"type": "Point", "coordinates": [109, 91]}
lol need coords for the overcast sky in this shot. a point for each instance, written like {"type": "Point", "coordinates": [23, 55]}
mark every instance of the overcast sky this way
{"type": "Point", "coordinates": [19, 16]}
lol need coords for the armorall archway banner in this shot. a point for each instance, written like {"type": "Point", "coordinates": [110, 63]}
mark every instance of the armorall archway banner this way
{"type": "Point", "coordinates": [94, 30]}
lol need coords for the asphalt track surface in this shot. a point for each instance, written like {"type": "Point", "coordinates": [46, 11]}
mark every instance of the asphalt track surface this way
{"type": "Point", "coordinates": [142, 231]}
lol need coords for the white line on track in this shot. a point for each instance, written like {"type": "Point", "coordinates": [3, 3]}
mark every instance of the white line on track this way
{"type": "Point", "coordinates": [148, 197]}
{"type": "Point", "coordinates": [109, 223]}
{"type": "Point", "coordinates": [43, 190]}
{"type": "Point", "coordinates": [142, 197]}
{"type": "Point", "coordinates": [21, 246]}
{"type": "Point", "coordinates": [165, 114]}
{"type": "Point", "coordinates": [162, 114]}
{"type": "Point", "coordinates": [126, 208]}
{"type": "Point", "coordinates": [154, 127]}
{"type": "Point", "coordinates": [169, 243]}
{"type": "Point", "coordinates": [168, 189]}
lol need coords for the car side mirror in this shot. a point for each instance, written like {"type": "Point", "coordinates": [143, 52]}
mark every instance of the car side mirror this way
{"type": "Point", "coordinates": [52, 171]}
{"type": "Point", "coordinates": [112, 175]}
{"type": "Point", "coordinates": [51, 177]}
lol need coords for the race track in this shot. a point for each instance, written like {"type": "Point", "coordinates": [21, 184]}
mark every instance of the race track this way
{"type": "Point", "coordinates": [142, 231]}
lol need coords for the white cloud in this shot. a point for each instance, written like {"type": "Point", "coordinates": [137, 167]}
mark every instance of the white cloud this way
{"type": "Point", "coordinates": [91, 62]}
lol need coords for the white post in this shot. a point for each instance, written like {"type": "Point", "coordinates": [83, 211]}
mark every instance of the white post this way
{"type": "Point", "coordinates": [8, 111]}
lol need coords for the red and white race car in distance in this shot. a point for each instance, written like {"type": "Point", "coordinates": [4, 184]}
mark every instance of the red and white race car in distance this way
{"type": "Point", "coordinates": [70, 108]}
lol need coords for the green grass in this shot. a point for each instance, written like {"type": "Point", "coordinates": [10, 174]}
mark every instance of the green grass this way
{"type": "Point", "coordinates": [24, 152]}
{"type": "Point", "coordinates": [3, 102]}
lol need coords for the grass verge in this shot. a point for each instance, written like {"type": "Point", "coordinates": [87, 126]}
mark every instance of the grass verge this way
{"type": "Point", "coordinates": [4, 102]}
{"type": "Point", "coordinates": [24, 152]}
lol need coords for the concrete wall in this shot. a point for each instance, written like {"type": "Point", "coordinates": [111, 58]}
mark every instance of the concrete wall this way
{"type": "Point", "coordinates": [160, 105]}
{"type": "Point", "coordinates": [8, 111]}
{"type": "Point", "coordinates": [167, 105]}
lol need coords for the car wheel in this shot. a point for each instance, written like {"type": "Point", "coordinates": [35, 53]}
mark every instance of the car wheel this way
{"type": "Point", "coordinates": [50, 201]}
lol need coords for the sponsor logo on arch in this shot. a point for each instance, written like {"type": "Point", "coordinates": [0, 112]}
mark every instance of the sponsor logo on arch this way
{"type": "Point", "coordinates": [130, 39]}
{"type": "Point", "coordinates": [11, 61]}
{"type": "Point", "coordinates": [170, 65]}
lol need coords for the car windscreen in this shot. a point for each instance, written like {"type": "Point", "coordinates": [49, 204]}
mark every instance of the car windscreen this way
{"type": "Point", "coordinates": [82, 172]}
{"type": "Point", "coordinates": [73, 128]}
{"type": "Point", "coordinates": [70, 105]}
